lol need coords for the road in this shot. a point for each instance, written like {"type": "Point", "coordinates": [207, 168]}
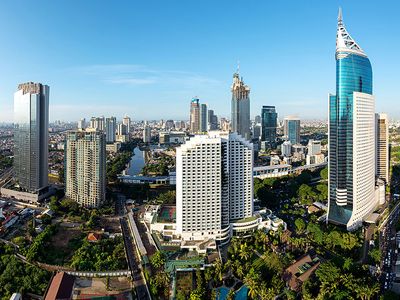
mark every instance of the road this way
{"type": "Point", "coordinates": [5, 176]}
{"type": "Point", "coordinates": [388, 246]}
{"type": "Point", "coordinates": [134, 262]}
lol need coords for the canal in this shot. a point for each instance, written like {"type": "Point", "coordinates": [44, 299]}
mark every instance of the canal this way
{"type": "Point", "coordinates": [137, 162]}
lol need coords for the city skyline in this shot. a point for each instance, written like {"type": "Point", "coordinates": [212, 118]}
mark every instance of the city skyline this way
{"type": "Point", "coordinates": [89, 66]}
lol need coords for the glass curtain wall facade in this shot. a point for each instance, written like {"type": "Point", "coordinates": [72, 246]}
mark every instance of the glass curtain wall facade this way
{"type": "Point", "coordinates": [269, 119]}
{"type": "Point", "coordinates": [31, 138]}
{"type": "Point", "coordinates": [349, 113]}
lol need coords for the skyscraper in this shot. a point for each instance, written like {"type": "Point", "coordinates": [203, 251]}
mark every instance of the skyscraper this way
{"type": "Point", "coordinates": [240, 107]}
{"type": "Point", "coordinates": [111, 128]}
{"type": "Point", "coordinates": [214, 175]}
{"type": "Point", "coordinates": [194, 116]}
{"type": "Point", "coordinates": [146, 133]}
{"type": "Point", "coordinates": [203, 118]}
{"type": "Point", "coordinates": [291, 129]}
{"type": "Point", "coordinates": [212, 120]}
{"type": "Point", "coordinates": [127, 122]}
{"type": "Point", "coordinates": [382, 147]}
{"type": "Point", "coordinates": [85, 167]}
{"type": "Point", "coordinates": [351, 135]}
{"type": "Point", "coordinates": [269, 119]}
{"type": "Point", "coordinates": [31, 137]}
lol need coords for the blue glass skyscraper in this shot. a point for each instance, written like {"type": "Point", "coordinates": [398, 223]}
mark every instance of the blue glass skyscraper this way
{"type": "Point", "coordinates": [351, 135]}
{"type": "Point", "coordinates": [269, 119]}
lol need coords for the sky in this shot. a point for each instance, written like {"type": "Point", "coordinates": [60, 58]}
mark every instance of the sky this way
{"type": "Point", "coordinates": [147, 59]}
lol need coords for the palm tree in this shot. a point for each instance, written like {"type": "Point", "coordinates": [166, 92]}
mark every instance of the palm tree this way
{"type": "Point", "coordinates": [371, 290]}
{"type": "Point", "coordinates": [252, 281]}
{"type": "Point", "coordinates": [245, 252]}
{"type": "Point", "coordinates": [218, 270]}
{"type": "Point", "coordinates": [361, 291]}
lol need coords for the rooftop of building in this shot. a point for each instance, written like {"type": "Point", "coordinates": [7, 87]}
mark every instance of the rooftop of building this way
{"type": "Point", "coordinates": [61, 287]}
{"type": "Point", "coordinates": [301, 270]}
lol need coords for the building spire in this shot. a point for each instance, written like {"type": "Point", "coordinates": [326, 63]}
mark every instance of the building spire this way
{"type": "Point", "coordinates": [344, 42]}
{"type": "Point", "coordinates": [340, 18]}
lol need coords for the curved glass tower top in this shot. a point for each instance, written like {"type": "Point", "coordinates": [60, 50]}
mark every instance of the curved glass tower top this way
{"type": "Point", "coordinates": [353, 74]}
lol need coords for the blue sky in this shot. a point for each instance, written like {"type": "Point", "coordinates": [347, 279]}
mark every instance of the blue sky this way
{"type": "Point", "coordinates": [147, 59]}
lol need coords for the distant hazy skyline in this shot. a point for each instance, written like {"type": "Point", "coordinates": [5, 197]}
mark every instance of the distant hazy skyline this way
{"type": "Point", "coordinates": [147, 59]}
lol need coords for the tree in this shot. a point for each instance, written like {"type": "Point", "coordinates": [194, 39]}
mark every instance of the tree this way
{"type": "Point", "coordinates": [328, 273]}
{"type": "Point", "coordinates": [304, 178]}
{"type": "Point", "coordinates": [300, 225]}
{"type": "Point", "coordinates": [375, 255]}
{"type": "Point", "coordinates": [231, 295]}
{"type": "Point", "coordinates": [245, 251]}
{"type": "Point", "coordinates": [218, 270]}
{"type": "Point", "coordinates": [168, 197]}
{"type": "Point", "coordinates": [209, 273]}
{"type": "Point", "coordinates": [290, 295]}
{"type": "Point", "coordinates": [200, 289]}
{"type": "Point", "coordinates": [322, 188]}
{"type": "Point", "coordinates": [324, 173]}
{"type": "Point", "coordinates": [158, 260]}
{"type": "Point", "coordinates": [252, 281]}
{"type": "Point", "coordinates": [315, 233]}
{"type": "Point", "coordinates": [306, 194]}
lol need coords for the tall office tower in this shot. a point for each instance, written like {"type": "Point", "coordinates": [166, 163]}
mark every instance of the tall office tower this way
{"type": "Point", "coordinates": [85, 167]}
{"type": "Point", "coordinates": [382, 147]}
{"type": "Point", "coordinates": [240, 107]}
{"type": "Point", "coordinates": [127, 122]}
{"type": "Point", "coordinates": [146, 133]}
{"type": "Point", "coordinates": [269, 119]}
{"type": "Point", "coordinates": [291, 129]}
{"type": "Point", "coordinates": [313, 147]}
{"type": "Point", "coordinates": [31, 137]}
{"type": "Point", "coordinates": [257, 119]}
{"type": "Point", "coordinates": [351, 135]}
{"type": "Point", "coordinates": [82, 124]}
{"type": "Point", "coordinates": [111, 128]}
{"type": "Point", "coordinates": [214, 185]}
{"type": "Point", "coordinates": [122, 129]}
{"type": "Point", "coordinates": [194, 116]}
{"type": "Point", "coordinates": [203, 117]}
{"type": "Point", "coordinates": [212, 120]}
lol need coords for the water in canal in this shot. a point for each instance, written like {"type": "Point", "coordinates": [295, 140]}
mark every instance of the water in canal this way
{"type": "Point", "coordinates": [137, 162]}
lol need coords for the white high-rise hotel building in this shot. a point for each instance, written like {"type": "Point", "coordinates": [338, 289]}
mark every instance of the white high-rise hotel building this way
{"type": "Point", "coordinates": [214, 186]}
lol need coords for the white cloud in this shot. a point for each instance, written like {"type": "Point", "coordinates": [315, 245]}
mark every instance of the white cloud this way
{"type": "Point", "coordinates": [131, 74]}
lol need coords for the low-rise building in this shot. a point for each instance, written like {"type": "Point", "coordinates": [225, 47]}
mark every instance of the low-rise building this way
{"type": "Point", "coordinates": [296, 274]}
